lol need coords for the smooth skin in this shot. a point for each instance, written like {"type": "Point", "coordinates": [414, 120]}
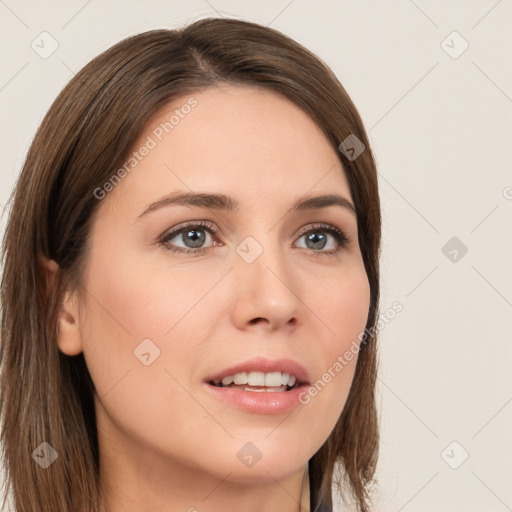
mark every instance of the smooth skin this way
{"type": "Point", "coordinates": [166, 444]}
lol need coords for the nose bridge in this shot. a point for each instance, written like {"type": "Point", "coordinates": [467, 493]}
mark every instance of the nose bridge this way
{"type": "Point", "coordinates": [259, 252]}
{"type": "Point", "coordinates": [264, 281]}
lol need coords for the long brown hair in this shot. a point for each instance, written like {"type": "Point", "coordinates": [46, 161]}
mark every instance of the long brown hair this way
{"type": "Point", "coordinates": [47, 396]}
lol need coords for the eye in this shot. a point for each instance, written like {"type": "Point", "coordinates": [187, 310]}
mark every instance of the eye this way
{"type": "Point", "coordinates": [194, 235]}
{"type": "Point", "coordinates": [317, 238]}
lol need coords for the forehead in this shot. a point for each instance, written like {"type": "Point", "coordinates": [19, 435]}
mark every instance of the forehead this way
{"type": "Point", "coordinates": [247, 142]}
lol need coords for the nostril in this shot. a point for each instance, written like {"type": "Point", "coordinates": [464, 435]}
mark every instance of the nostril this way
{"type": "Point", "coordinates": [257, 320]}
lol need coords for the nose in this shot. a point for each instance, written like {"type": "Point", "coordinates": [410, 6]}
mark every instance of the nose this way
{"type": "Point", "coordinates": [266, 292]}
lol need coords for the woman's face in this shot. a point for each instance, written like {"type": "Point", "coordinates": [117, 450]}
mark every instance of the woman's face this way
{"type": "Point", "coordinates": [167, 308]}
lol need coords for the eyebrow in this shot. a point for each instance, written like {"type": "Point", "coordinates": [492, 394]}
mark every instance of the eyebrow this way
{"type": "Point", "coordinates": [229, 203]}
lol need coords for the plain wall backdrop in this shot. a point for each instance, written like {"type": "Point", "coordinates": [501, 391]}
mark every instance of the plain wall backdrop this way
{"type": "Point", "coordinates": [433, 83]}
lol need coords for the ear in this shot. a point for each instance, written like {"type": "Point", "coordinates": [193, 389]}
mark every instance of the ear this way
{"type": "Point", "coordinates": [69, 338]}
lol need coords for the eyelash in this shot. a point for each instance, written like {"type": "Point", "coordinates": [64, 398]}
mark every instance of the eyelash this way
{"type": "Point", "coordinates": [340, 237]}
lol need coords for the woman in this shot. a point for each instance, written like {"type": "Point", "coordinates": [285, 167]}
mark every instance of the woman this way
{"type": "Point", "coordinates": [191, 284]}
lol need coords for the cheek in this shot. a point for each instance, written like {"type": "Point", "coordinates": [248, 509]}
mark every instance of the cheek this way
{"type": "Point", "coordinates": [343, 309]}
{"type": "Point", "coordinates": [343, 306]}
{"type": "Point", "coordinates": [135, 315]}
{"type": "Point", "coordinates": [134, 300]}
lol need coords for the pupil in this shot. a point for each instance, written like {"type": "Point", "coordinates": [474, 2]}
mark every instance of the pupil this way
{"type": "Point", "coordinates": [196, 240]}
{"type": "Point", "coordinates": [315, 239]}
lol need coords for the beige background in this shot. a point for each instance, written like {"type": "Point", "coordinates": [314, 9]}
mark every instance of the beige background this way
{"type": "Point", "coordinates": [440, 128]}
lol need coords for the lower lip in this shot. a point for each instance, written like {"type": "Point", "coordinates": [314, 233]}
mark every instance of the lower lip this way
{"type": "Point", "coordinates": [264, 402]}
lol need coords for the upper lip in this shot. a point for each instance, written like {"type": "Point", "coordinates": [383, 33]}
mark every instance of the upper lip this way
{"type": "Point", "coordinates": [261, 364]}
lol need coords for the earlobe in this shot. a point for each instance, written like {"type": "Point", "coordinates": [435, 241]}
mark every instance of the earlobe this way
{"type": "Point", "coordinates": [69, 337]}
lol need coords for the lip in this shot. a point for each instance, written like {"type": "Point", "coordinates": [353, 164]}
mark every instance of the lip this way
{"type": "Point", "coordinates": [265, 402]}
{"type": "Point", "coordinates": [261, 364]}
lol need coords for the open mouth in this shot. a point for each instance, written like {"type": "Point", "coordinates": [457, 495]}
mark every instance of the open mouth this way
{"type": "Point", "coordinates": [261, 375]}
{"type": "Point", "coordinates": [247, 387]}
{"type": "Point", "coordinates": [260, 392]}
{"type": "Point", "coordinates": [258, 382]}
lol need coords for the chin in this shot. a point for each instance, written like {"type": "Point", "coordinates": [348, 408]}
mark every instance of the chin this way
{"type": "Point", "coordinates": [265, 460]}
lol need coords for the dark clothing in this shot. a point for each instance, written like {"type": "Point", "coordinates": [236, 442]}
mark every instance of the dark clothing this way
{"type": "Point", "coordinates": [322, 508]}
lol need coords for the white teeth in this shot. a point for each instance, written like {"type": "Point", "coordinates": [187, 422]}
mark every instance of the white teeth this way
{"type": "Point", "coordinates": [271, 379]}
{"type": "Point", "coordinates": [240, 378]}
{"type": "Point", "coordinates": [256, 379]}
{"type": "Point", "coordinates": [226, 381]}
